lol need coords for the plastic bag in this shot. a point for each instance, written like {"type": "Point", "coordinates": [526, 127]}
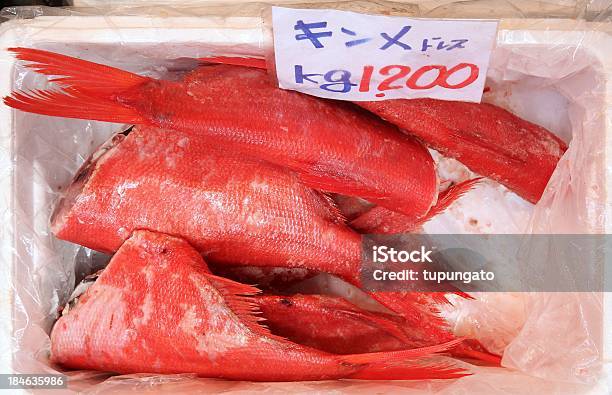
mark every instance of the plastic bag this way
{"type": "Point", "coordinates": [551, 72]}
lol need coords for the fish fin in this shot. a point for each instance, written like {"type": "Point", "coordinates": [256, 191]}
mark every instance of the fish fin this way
{"type": "Point", "coordinates": [257, 63]}
{"type": "Point", "coordinates": [386, 357]}
{"type": "Point", "coordinates": [448, 197]}
{"type": "Point", "coordinates": [88, 76]}
{"type": "Point", "coordinates": [411, 371]}
{"type": "Point", "coordinates": [338, 184]}
{"type": "Point", "coordinates": [239, 298]}
{"type": "Point", "coordinates": [88, 89]}
{"type": "Point", "coordinates": [472, 348]}
{"type": "Point", "coordinates": [342, 306]}
{"type": "Point", "coordinates": [72, 103]}
{"type": "Point", "coordinates": [385, 221]}
{"type": "Point", "coordinates": [334, 211]}
{"type": "Point", "coordinates": [392, 328]}
{"type": "Point", "coordinates": [381, 321]}
{"type": "Point", "coordinates": [418, 309]}
{"type": "Point", "coordinates": [442, 297]}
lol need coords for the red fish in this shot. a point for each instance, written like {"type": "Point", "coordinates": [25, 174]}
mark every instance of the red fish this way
{"type": "Point", "coordinates": [233, 210]}
{"type": "Point", "coordinates": [334, 325]}
{"type": "Point", "coordinates": [157, 309]}
{"type": "Point", "coordinates": [333, 146]}
{"type": "Point", "coordinates": [488, 139]}
{"type": "Point", "coordinates": [380, 220]}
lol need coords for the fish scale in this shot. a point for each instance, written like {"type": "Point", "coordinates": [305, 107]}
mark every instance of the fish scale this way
{"type": "Point", "coordinates": [332, 145]}
{"type": "Point", "coordinates": [235, 211]}
{"type": "Point", "coordinates": [487, 139]}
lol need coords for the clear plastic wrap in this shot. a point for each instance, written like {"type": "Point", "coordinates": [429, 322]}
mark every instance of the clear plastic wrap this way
{"type": "Point", "coordinates": [552, 72]}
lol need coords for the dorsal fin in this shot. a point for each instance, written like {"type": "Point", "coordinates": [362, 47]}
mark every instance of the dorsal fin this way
{"type": "Point", "coordinates": [239, 298]}
{"type": "Point", "coordinates": [449, 196]}
{"type": "Point", "coordinates": [334, 211]}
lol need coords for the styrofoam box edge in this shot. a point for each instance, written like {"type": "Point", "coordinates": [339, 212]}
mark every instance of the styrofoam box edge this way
{"type": "Point", "coordinates": [132, 29]}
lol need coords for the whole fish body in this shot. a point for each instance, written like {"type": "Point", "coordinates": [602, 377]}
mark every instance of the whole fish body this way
{"type": "Point", "coordinates": [234, 210]}
{"type": "Point", "coordinates": [334, 146]}
{"type": "Point", "coordinates": [157, 309]}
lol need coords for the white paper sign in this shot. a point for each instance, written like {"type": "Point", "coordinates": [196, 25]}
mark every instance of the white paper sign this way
{"type": "Point", "coordinates": [350, 56]}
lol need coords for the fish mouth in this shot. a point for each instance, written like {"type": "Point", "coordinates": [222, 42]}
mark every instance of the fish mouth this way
{"type": "Point", "coordinates": [79, 181]}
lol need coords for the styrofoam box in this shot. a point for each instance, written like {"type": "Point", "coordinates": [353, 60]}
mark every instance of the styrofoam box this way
{"type": "Point", "coordinates": [515, 8]}
{"type": "Point", "coordinates": [27, 141]}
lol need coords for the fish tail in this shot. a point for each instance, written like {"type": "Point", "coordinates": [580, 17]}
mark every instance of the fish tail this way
{"type": "Point", "coordinates": [449, 196]}
{"type": "Point", "coordinates": [402, 364]}
{"type": "Point", "coordinates": [420, 310]}
{"type": "Point", "coordinates": [397, 356]}
{"type": "Point", "coordinates": [410, 371]}
{"type": "Point", "coordinates": [442, 297]}
{"type": "Point", "coordinates": [423, 316]}
{"type": "Point", "coordinates": [474, 350]}
{"type": "Point", "coordinates": [88, 89]}
{"type": "Point", "coordinates": [383, 220]}
{"type": "Point", "coordinates": [78, 73]}
{"type": "Point", "coordinates": [71, 103]}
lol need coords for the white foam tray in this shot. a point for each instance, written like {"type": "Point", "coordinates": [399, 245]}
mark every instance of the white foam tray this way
{"type": "Point", "coordinates": [182, 36]}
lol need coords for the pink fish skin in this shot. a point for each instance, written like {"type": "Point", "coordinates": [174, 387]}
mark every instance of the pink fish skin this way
{"type": "Point", "coordinates": [333, 146]}
{"type": "Point", "coordinates": [489, 140]}
{"type": "Point", "coordinates": [157, 309]}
